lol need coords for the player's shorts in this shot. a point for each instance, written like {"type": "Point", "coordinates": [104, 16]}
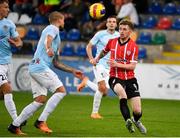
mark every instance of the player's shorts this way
{"type": "Point", "coordinates": [44, 81]}
{"type": "Point", "coordinates": [101, 73]}
{"type": "Point", "coordinates": [130, 86]}
{"type": "Point", "coordinates": [5, 73]}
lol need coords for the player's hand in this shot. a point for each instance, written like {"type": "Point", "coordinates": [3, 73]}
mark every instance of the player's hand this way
{"type": "Point", "coordinates": [78, 73]}
{"type": "Point", "coordinates": [14, 43]}
{"type": "Point", "coordinates": [93, 61]}
{"type": "Point", "coordinates": [112, 63]}
{"type": "Point", "coordinates": [50, 52]}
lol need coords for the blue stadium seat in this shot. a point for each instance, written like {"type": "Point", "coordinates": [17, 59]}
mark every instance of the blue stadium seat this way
{"type": "Point", "coordinates": [39, 19]}
{"type": "Point", "coordinates": [68, 50]}
{"type": "Point", "coordinates": [150, 22]}
{"type": "Point", "coordinates": [142, 53]}
{"type": "Point", "coordinates": [178, 9]}
{"type": "Point", "coordinates": [81, 50]}
{"type": "Point", "coordinates": [176, 24]}
{"type": "Point", "coordinates": [155, 8]}
{"type": "Point", "coordinates": [63, 35]}
{"type": "Point", "coordinates": [144, 38]}
{"type": "Point", "coordinates": [73, 35]}
{"type": "Point", "coordinates": [169, 8]}
{"type": "Point", "coordinates": [32, 34]}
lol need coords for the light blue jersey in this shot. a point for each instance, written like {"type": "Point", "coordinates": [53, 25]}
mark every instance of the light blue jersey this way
{"type": "Point", "coordinates": [41, 61]}
{"type": "Point", "coordinates": [7, 30]}
{"type": "Point", "coordinates": [100, 40]}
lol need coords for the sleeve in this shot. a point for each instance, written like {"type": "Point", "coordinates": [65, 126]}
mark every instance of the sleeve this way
{"type": "Point", "coordinates": [52, 32]}
{"type": "Point", "coordinates": [13, 31]}
{"type": "Point", "coordinates": [134, 54]}
{"type": "Point", "coordinates": [95, 39]}
{"type": "Point", "coordinates": [108, 46]}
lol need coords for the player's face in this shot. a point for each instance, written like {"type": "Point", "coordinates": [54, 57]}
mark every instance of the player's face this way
{"type": "Point", "coordinates": [4, 10]}
{"type": "Point", "coordinates": [61, 23]}
{"type": "Point", "coordinates": [111, 23]}
{"type": "Point", "coordinates": [124, 31]}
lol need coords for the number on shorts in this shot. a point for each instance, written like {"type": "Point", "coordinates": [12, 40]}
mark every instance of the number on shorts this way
{"type": "Point", "coordinates": [3, 77]}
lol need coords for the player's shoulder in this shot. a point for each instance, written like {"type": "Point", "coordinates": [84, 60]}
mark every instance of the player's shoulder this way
{"type": "Point", "coordinates": [101, 32]}
{"type": "Point", "coordinates": [132, 42]}
{"type": "Point", "coordinates": [51, 28]}
{"type": "Point", "coordinates": [8, 21]}
{"type": "Point", "coordinates": [113, 39]}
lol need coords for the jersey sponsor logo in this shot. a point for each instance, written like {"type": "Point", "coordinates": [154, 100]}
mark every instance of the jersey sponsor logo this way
{"type": "Point", "coordinates": [121, 60]}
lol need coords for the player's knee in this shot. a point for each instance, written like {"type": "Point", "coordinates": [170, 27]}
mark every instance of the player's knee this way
{"type": "Point", "coordinates": [137, 110]}
{"type": "Point", "coordinates": [103, 89]}
{"type": "Point", "coordinates": [61, 89]}
{"type": "Point", "coordinates": [6, 88]}
{"type": "Point", "coordinates": [41, 99]}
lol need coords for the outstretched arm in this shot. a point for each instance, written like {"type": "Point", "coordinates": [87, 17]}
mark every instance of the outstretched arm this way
{"type": "Point", "coordinates": [66, 68]}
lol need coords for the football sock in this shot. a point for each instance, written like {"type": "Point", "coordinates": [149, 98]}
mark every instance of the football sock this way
{"type": "Point", "coordinates": [92, 85]}
{"type": "Point", "coordinates": [10, 105]}
{"type": "Point", "coordinates": [124, 108]}
{"type": "Point", "coordinates": [137, 116]}
{"type": "Point", "coordinates": [51, 105]}
{"type": "Point", "coordinates": [96, 101]}
{"type": "Point", "coordinates": [27, 112]}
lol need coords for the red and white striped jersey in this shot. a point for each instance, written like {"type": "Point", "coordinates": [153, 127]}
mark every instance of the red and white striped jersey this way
{"type": "Point", "coordinates": [122, 53]}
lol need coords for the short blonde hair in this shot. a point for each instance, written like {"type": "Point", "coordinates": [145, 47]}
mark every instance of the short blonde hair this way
{"type": "Point", "coordinates": [54, 16]}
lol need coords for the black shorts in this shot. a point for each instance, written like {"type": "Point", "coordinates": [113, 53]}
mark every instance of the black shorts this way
{"type": "Point", "coordinates": [131, 86]}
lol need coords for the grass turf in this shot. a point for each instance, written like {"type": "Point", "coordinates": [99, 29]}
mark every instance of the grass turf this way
{"type": "Point", "coordinates": [72, 118]}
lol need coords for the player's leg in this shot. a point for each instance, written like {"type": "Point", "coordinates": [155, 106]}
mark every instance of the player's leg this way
{"type": "Point", "coordinates": [39, 95]}
{"type": "Point", "coordinates": [8, 100]}
{"type": "Point", "coordinates": [137, 114]}
{"type": "Point", "coordinates": [51, 104]}
{"type": "Point", "coordinates": [6, 90]}
{"type": "Point", "coordinates": [56, 86]}
{"type": "Point", "coordinates": [117, 86]}
{"type": "Point", "coordinates": [102, 76]}
{"type": "Point", "coordinates": [132, 90]}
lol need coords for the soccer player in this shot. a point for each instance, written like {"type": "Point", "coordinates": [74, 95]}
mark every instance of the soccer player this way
{"type": "Point", "coordinates": [43, 78]}
{"type": "Point", "coordinates": [123, 60]}
{"type": "Point", "coordinates": [8, 37]}
{"type": "Point", "coordinates": [101, 69]}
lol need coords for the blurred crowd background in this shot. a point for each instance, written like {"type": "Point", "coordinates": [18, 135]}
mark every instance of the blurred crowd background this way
{"type": "Point", "coordinates": [157, 25]}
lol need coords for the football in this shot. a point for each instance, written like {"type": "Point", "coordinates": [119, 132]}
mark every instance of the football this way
{"type": "Point", "coordinates": [97, 10]}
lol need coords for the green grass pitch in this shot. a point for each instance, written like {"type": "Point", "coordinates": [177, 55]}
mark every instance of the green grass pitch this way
{"type": "Point", "coordinates": [72, 118]}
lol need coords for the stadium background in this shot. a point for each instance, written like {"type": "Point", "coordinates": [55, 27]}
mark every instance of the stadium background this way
{"type": "Point", "coordinates": [158, 71]}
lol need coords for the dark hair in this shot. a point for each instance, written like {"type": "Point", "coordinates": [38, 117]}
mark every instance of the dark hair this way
{"type": "Point", "coordinates": [127, 22]}
{"type": "Point", "coordinates": [112, 16]}
{"type": "Point", "coordinates": [2, 1]}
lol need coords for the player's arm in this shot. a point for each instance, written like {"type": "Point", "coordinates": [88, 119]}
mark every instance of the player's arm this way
{"type": "Point", "coordinates": [48, 43]}
{"type": "Point", "coordinates": [17, 42]}
{"type": "Point", "coordinates": [66, 68]}
{"type": "Point", "coordinates": [130, 66]}
{"type": "Point", "coordinates": [89, 51]}
{"type": "Point", "coordinates": [101, 55]}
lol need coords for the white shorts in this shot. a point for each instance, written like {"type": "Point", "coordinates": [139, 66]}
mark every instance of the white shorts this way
{"type": "Point", "coordinates": [5, 73]}
{"type": "Point", "coordinates": [101, 74]}
{"type": "Point", "coordinates": [44, 81]}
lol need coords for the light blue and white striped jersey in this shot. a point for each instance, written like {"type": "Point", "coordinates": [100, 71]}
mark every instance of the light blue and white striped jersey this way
{"type": "Point", "coordinates": [7, 30]}
{"type": "Point", "coordinates": [41, 61]}
{"type": "Point", "coordinates": [100, 40]}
